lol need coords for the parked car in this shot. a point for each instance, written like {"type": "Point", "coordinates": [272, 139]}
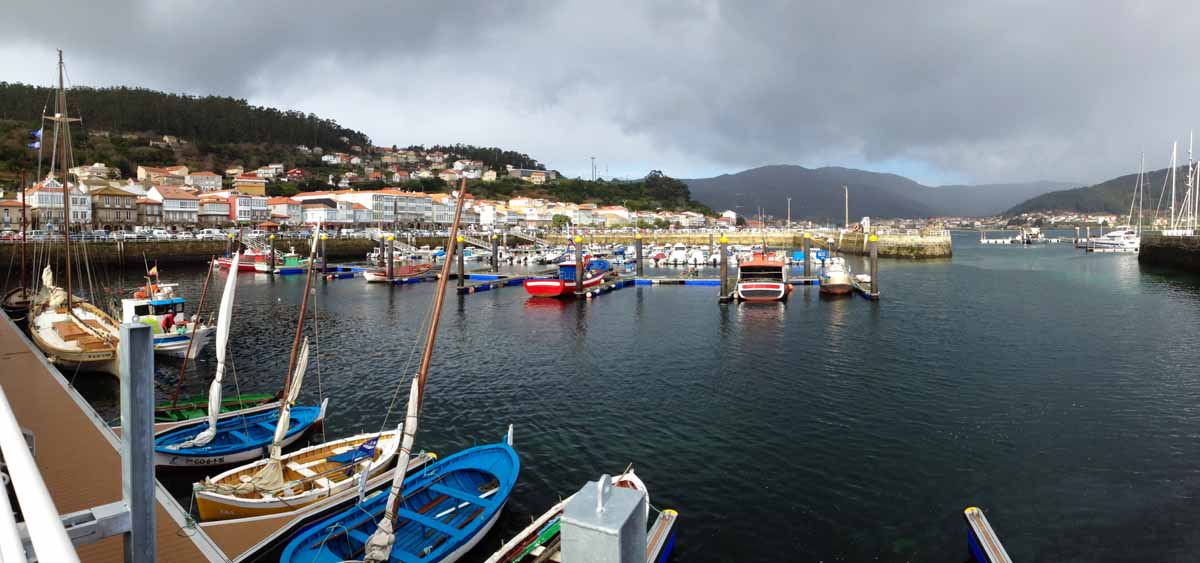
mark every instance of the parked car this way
{"type": "Point", "coordinates": [9, 235]}
{"type": "Point", "coordinates": [210, 234]}
{"type": "Point", "coordinates": [185, 236]}
{"type": "Point", "coordinates": [161, 234]}
{"type": "Point", "coordinates": [119, 235]}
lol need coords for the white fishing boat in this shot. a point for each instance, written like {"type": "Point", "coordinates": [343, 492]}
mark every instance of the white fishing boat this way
{"type": "Point", "coordinates": [835, 277]}
{"type": "Point", "coordinates": [762, 278]}
{"type": "Point", "coordinates": [696, 256]}
{"type": "Point", "coordinates": [158, 306]}
{"type": "Point", "coordinates": [1123, 239]}
{"type": "Point", "coordinates": [678, 255]}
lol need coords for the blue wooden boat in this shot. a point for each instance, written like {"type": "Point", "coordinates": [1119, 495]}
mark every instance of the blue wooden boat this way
{"type": "Point", "coordinates": [444, 511]}
{"type": "Point", "coordinates": [238, 438]}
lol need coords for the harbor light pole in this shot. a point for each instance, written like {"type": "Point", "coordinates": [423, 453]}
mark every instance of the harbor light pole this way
{"type": "Point", "coordinates": [847, 223]}
{"type": "Point", "coordinates": [789, 214]}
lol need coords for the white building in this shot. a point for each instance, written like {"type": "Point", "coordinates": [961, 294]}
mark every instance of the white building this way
{"type": "Point", "coordinates": [204, 181]}
{"type": "Point", "coordinates": [45, 205]}
{"type": "Point", "coordinates": [180, 207]}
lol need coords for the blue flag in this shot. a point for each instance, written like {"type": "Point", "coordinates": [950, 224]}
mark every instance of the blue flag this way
{"type": "Point", "coordinates": [36, 134]}
{"type": "Point", "coordinates": [35, 145]}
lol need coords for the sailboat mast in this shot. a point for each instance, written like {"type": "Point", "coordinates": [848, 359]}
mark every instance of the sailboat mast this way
{"type": "Point", "coordinates": [63, 132]}
{"type": "Point", "coordinates": [1174, 149]}
{"type": "Point", "coordinates": [23, 198]}
{"type": "Point", "coordinates": [441, 293]}
{"type": "Point", "coordinates": [312, 264]}
{"type": "Point", "coordinates": [195, 323]}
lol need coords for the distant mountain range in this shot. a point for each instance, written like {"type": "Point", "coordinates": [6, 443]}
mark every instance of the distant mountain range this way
{"type": "Point", "coordinates": [817, 194]}
{"type": "Point", "coordinates": [1112, 196]}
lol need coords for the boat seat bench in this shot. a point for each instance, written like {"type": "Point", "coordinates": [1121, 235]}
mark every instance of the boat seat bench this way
{"type": "Point", "coordinates": [427, 522]}
{"type": "Point", "coordinates": [461, 495]}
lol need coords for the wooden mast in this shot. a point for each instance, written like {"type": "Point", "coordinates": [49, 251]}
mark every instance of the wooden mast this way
{"type": "Point", "coordinates": [427, 356]}
{"type": "Point", "coordinates": [195, 323]}
{"type": "Point", "coordinates": [24, 288]}
{"type": "Point", "coordinates": [287, 380]}
{"type": "Point", "coordinates": [66, 190]}
{"type": "Point", "coordinates": [441, 294]}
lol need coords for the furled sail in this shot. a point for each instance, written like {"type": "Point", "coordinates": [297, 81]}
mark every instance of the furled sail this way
{"type": "Point", "coordinates": [224, 317]}
{"type": "Point", "coordinates": [379, 545]}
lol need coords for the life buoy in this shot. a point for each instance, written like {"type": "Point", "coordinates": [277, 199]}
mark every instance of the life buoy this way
{"type": "Point", "coordinates": [168, 321]}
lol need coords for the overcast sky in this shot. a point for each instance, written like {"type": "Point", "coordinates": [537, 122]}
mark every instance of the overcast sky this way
{"type": "Point", "coordinates": [943, 92]}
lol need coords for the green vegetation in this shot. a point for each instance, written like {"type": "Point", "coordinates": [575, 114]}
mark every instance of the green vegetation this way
{"type": "Point", "coordinates": [493, 158]}
{"type": "Point", "coordinates": [1112, 196]}
{"type": "Point", "coordinates": [209, 119]}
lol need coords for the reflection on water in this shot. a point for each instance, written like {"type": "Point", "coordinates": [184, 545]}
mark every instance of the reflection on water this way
{"type": "Point", "coordinates": [1055, 389]}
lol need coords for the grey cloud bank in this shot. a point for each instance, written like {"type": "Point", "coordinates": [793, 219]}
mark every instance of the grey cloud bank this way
{"type": "Point", "coordinates": [991, 92]}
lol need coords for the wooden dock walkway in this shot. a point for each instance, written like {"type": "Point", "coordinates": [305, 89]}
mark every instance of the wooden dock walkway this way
{"type": "Point", "coordinates": [487, 281]}
{"type": "Point", "coordinates": [78, 455]}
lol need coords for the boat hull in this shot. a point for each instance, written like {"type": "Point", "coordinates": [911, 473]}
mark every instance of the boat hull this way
{"type": "Point", "coordinates": [195, 457]}
{"type": "Point", "coordinates": [244, 265]}
{"type": "Point", "coordinates": [762, 291]}
{"type": "Point", "coordinates": [103, 360]}
{"type": "Point", "coordinates": [213, 505]}
{"type": "Point", "coordinates": [16, 302]}
{"type": "Point", "coordinates": [558, 288]}
{"type": "Point", "coordinates": [836, 288]}
{"type": "Point", "coordinates": [450, 488]}
{"type": "Point", "coordinates": [189, 409]}
{"type": "Point", "coordinates": [176, 345]}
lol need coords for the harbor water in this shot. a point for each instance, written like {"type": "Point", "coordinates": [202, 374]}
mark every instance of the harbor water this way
{"type": "Point", "coordinates": [1056, 390]}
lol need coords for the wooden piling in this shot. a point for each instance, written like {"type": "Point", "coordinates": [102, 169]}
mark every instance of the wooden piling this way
{"type": "Point", "coordinates": [874, 242]}
{"type": "Point", "coordinates": [724, 267]}
{"type": "Point", "coordinates": [390, 256]}
{"type": "Point", "coordinates": [271, 270]}
{"type": "Point", "coordinates": [228, 245]}
{"type": "Point", "coordinates": [637, 254]}
{"type": "Point", "coordinates": [462, 269]}
{"type": "Point", "coordinates": [324, 256]}
{"type": "Point", "coordinates": [495, 253]}
{"type": "Point", "coordinates": [578, 264]}
{"type": "Point", "coordinates": [807, 248]}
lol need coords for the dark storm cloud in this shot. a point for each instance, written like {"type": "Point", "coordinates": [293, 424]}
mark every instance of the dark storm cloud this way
{"type": "Point", "coordinates": [989, 92]}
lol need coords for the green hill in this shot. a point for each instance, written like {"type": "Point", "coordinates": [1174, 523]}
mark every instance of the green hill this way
{"type": "Point", "coordinates": [1112, 196]}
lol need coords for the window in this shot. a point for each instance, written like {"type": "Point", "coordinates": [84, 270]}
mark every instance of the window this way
{"type": "Point", "coordinates": [141, 310]}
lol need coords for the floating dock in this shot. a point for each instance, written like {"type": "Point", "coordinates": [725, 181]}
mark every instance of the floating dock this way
{"type": "Point", "coordinates": [78, 458]}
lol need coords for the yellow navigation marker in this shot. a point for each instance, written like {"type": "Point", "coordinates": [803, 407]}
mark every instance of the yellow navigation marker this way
{"type": "Point", "coordinates": [639, 235]}
{"type": "Point", "coordinates": [230, 235]}
{"type": "Point", "coordinates": [272, 237]}
{"type": "Point", "coordinates": [807, 235]}
{"type": "Point", "coordinates": [578, 238]}
{"type": "Point", "coordinates": [324, 236]}
{"type": "Point", "coordinates": [391, 237]}
{"type": "Point", "coordinates": [724, 239]}
{"type": "Point", "coordinates": [873, 238]}
{"type": "Point", "coordinates": [459, 239]}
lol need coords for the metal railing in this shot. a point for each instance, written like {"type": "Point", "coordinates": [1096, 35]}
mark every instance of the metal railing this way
{"type": "Point", "coordinates": [46, 532]}
{"type": "Point", "coordinates": [45, 535]}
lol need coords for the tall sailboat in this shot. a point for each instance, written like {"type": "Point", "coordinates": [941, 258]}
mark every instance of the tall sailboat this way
{"type": "Point", "coordinates": [437, 515]}
{"type": "Point", "coordinates": [16, 301]}
{"type": "Point", "coordinates": [73, 333]}
{"type": "Point", "coordinates": [249, 434]}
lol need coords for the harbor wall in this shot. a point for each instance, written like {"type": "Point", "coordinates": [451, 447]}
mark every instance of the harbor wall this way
{"type": "Point", "coordinates": [130, 253]}
{"type": "Point", "coordinates": [899, 245]}
{"type": "Point", "coordinates": [1182, 253]}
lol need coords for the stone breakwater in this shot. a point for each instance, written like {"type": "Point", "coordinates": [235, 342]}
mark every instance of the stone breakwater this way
{"type": "Point", "coordinates": [891, 245]}
{"type": "Point", "coordinates": [1182, 253]}
{"type": "Point", "coordinates": [896, 245]}
{"type": "Point", "coordinates": [174, 252]}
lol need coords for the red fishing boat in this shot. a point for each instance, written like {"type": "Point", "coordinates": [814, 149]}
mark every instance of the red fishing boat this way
{"type": "Point", "coordinates": [564, 285]}
{"type": "Point", "coordinates": [246, 264]}
{"type": "Point", "coordinates": [763, 278]}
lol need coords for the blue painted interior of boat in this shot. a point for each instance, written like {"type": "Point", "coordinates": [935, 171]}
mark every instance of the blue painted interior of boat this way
{"type": "Point", "coordinates": [238, 433]}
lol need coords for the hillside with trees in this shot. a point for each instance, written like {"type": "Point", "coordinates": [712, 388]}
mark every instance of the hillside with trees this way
{"type": "Point", "coordinates": [1112, 196]}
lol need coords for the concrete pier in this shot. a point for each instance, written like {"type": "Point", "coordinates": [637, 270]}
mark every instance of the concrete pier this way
{"type": "Point", "coordinates": [1181, 253]}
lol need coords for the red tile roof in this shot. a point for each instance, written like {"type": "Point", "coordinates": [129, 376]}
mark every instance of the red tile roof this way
{"type": "Point", "coordinates": [281, 201]}
{"type": "Point", "coordinates": [172, 192]}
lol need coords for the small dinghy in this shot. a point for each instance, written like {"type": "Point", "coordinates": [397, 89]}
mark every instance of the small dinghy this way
{"type": "Point", "coordinates": [441, 513]}
{"type": "Point", "coordinates": [237, 438]}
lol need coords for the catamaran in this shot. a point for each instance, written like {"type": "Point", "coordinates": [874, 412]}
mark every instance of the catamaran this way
{"type": "Point", "coordinates": [73, 333]}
